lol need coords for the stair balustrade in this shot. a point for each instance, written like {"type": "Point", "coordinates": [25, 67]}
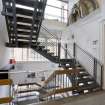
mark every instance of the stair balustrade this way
{"type": "Point", "coordinates": [90, 63]}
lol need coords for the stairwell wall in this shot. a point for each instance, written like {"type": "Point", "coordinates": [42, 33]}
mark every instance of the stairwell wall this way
{"type": "Point", "coordinates": [4, 52]}
{"type": "Point", "coordinates": [87, 33]}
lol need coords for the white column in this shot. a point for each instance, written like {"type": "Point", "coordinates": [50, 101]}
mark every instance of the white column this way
{"type": "Point", "coordinates": [102, 48]}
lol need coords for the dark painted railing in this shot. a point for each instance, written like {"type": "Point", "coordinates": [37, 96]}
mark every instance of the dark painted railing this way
{"type": "Point", "coordinates": [52, 42]}
{"type": "Point", "coordinates": [90, 63]}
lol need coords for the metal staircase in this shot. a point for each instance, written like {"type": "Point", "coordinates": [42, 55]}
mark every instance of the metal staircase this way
{"type": "Point", "coordinates": [61, 83]}
{"type": "Point", "coordinates": [24, 22]}
{"type": "Point", "coordinates": [72, 81]}
{"type": "Point", "coordinates": [24, 19]}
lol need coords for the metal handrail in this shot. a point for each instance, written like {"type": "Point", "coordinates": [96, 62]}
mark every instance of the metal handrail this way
{"type": "Point", "coordinates": [56, 37]}
{"type": "Point", "coordinates": [46, 29]}
{"type": "Point", "coordinates": [92, 64]}
{"type": "Point", "coordinates": [68, 52]}
{"type": "Point", "coordinates": [90, 55]}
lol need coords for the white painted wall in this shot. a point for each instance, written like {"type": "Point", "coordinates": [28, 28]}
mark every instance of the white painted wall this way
{"type": "Point", "coordinates": [54, 24]}
{"type": "Point", "coordinates": [103, 38]}
{"type": "Point", "coordinates": [55, 27]}
{"type": "Point", "coordinates": [4, 52]}
{"type": "Point", "coordinates": [86, 31]}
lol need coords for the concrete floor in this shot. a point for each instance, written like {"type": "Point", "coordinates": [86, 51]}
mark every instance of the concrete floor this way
{"type": "Point", "coordinates": [90, 99]}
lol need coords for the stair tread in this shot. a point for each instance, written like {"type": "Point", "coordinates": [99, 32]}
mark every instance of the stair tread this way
{"type": "Point", "coordinates": [25, 12]}
{"type": "Point", "coordinates": [66, 60]}
{"type": "Point", "coordinates": [22, 84]}
{"type": "Point", "coordinates": [51, 53]}
{"type": "Point", "coordinates": [83, 74]}
{"type": "Point", "coordinates": [85, 80]}
{"type": "Point", "coordinates": [88, 86]}
{"type": "Point", "coordinates": [26, 96]}
{"type": "Point", "coordinates": [25, 27]}
{"type": "Point", "coordinates": [23, 32]}
{"type": "Point", "coordinates": [25, 38]}
{"type": "Point", "coordinates": [25, 19]}
{"type": "Point", "coordinates": [29, 3]}
{"type": "Point", "coordinates": [22, 44]}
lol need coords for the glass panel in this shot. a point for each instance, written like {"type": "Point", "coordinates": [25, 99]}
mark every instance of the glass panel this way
{"type": "Point", "coordinates": [24, 54]}
{"type": "Point", "coordinates": [52, 13]}
{"type": "Point", "coordinates": [17, 54]}
{"type": "Point", "coordinates": [54, 3]}
{"type": "Point", "coordinates": [56, 10]}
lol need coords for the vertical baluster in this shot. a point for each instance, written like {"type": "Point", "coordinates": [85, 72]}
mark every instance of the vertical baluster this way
{"type": "Point", "coordinates": [95, 70]}
{"type": "Point", "coordinates": [59, 51]}
{"type": "Point", "coordinates": [74, 54]}
{"type": "Point", "coordinates": [101, 77]}
{"type": "Point", "coordinates": [66, 51]}
{"type": "Point", "coordinates": [63, 81]}
{"type": "Point", "coordinates": [66, 80]}
{"type": "Point", "coordinates": [55, 86]}
{"type": "Point", "coordinates": [56, 48]}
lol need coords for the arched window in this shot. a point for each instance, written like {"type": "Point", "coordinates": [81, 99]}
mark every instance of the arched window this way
{"type": "Point", "coordinates": [88, 6]}
{"type": "Point", "coordinates": [82, 9]}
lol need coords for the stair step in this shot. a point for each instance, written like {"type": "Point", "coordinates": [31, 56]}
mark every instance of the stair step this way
{"type": "Point", "coordinates": [41, 90]}
{"type": "Point", "coordinates": [80, 68]}
{"type": "Point", "coordinates": [83, 74]}
{"type": "Point", "coordinates": [89, 86]}
{"type": "Point", "coordinates": [25, 91]}
{"type": "Point", "coordinates": [25, 96]}
{"type": "Point", "coordinates": [29, 3]}
{"type": "Point", "coordinates": [25, 20]}
{"type": "Point", "coordinates": [41, 48]}
{"type": "Point", "coordinates": [51, 53]}
{"type": "Point", "coordinates": [66, 60]}
{"type": "Point", "coordinates": [85, 80]}
{"type": "Point", "coordinates": [25, 84]}
{"type": "Point", "coordinates": [65, 66]}
{"type": "Point", "coordinates": [22, 32]}
{"type": "Point", "coordinates": [24, 38]}
{"type": "Point", "coordinates": [25, 12]}
{"type": "Point", "coordinates": [46, 50]}
{"type": "Point", "coordinates": [56, 56]}
{"type": "Point", "coordinates": [25, 27]}
{"type": "Point", "coordinates": [22, 44]}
